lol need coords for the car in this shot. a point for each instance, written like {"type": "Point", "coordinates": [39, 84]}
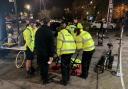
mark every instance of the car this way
{"type": "Point", "coordinates": [97, 24]}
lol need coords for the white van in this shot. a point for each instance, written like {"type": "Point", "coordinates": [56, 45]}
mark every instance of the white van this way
{"type": "Point", "coordinates": [97, 24]}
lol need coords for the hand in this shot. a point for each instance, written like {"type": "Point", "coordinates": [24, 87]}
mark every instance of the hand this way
{"type": "Point", "coordinates": [50, 60]}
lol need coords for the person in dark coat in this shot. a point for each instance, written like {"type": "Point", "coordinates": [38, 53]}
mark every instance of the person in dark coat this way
{"type": "Point", "coordinates": [44, 47]}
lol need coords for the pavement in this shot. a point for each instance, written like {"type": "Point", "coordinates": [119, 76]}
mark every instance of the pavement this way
{"type": "Point", "coordinates": [13, 78]}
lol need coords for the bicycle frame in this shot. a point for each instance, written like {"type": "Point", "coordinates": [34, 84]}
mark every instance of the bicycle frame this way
{"type": "Point", "coordinates": [106, 60]}
{"type": "Point", "coordinates": [108, 56]}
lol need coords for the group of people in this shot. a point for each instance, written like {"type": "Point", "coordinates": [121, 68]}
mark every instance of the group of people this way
{"type": "Point", "coordinates": [71, 39]}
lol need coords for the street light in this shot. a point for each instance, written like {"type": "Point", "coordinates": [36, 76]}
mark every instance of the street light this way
{"type": "Point", "coordinates": [98, 12]}
{"type": "Point", "coordinates": [87, 13]}
{"type": "Point", "coordinates": [27, 6]}
{"type": "Point", "coordinates": [91, 2]}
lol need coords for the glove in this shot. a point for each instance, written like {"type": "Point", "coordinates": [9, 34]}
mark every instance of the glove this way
{"type": "Point", "coordinates": [50, 60]}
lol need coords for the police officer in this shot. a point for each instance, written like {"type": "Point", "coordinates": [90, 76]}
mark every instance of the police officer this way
{"type": "Point", "coordinates": [29, 37]}
{"type": "Point", "coordinates": [77, 23]}
{"type": "Point", "coordinates": [73, 25]}
{"type": "Point", "coordinates": [65, 49]}
{"type": "Point", "coordinates": [85, 43]}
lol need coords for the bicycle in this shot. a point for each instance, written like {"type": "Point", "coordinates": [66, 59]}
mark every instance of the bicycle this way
{"type": "Point", "coordinates": [106, 60]}
{"type": "Point", "coordinates": [20, 59]}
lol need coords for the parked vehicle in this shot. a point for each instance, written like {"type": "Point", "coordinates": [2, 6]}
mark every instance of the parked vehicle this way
{"type": "Point", "coordinates": [97, 24]}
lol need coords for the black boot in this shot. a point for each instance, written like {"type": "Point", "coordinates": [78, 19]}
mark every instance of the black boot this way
{"type": "Point", "coordinates": [63, 82]}
{"type": "Point", "coordinates": [28, 74]}
{"type": "Point", "coordinates": [32, 71]}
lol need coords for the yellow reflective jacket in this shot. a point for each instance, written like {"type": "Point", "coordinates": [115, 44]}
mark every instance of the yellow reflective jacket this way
{"type": "Point", "coordinates": [71, 29]}
{"type": "Point", "coordinates": [29, 37]}
{"type": "Point", "coordinates": [65, 43]}
{"type": "Point", "coordinates": [79, 25]}
{"type": "Point", "coordinates": [84, 41]}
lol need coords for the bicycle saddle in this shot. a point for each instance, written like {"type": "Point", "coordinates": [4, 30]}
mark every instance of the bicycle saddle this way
{"type": "Point", "coordinates": [109, 44]}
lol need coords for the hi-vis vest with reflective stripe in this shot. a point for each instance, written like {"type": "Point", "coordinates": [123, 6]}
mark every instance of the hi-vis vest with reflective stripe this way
{"type": "Point", "coordinates": [71, 29]}
{"type": "Point", "coordinates": [80, 26]}
{"type": "Point", "coordinates": [84, 41]}
{"type": "Point", "coordinates": [65, 43]}
{"type": "Point", "coordinates": [29, 37]}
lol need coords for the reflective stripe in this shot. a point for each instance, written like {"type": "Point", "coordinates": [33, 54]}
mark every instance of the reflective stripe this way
{"type": "Point", "coordinates": [78, 41]}
{"type": "Point", "coordinates": [59, 39]}
{"type": "Point", "coordinates": [86, 40]}
{"type": "Point", "coordinates": [66, 41]}
{"type": "Point", "coordinates": [68, 50]}
{"type": "Point", "coordinates": [73, 60]}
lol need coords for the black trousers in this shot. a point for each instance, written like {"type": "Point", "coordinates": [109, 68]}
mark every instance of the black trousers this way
{"type": "Point", "coordinates": [43, 67]}
{"type": "Point", "coordinates": [65, 67]}
{"type": "Point", "coordinates": [86, 60]}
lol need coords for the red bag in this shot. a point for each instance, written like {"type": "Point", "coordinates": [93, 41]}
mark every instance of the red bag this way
{"type": "Point", "coordinates": [76, 71]}
{"type": "Point", "coordinates": [56, 67]}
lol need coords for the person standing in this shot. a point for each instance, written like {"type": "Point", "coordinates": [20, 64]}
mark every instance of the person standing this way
{"type": "Point", "coordinates": [29, 37]}
{"type": "Point", "coordinates": [66, 47]}
{"type": "Point", "coordinates": [85, 43]}
{"type": "Point", "coordinates": [77, 23]}
{"type": "Point", "coordinates": [44, 48]}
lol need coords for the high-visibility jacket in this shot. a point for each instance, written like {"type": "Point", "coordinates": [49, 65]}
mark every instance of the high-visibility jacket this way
{"type": "Point", "coordinates": [65, 43]}
{"type": "Point", "coordinates": [84, 41]}
{"type": "Point", "coordinates": [75, 62]}
{"type": "Point", "coordinates": [72, 28]}
{"type": "Point", "coordinates": [79, 25]}
{"type": "Point", "coordinates": [29, 37]}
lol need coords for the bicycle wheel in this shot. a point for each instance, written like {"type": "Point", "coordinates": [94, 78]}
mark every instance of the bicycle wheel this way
{"type": "Point", "coordinates": [20, 58]}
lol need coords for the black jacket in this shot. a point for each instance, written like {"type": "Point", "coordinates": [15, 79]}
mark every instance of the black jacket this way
{"type": "Point", "coordinates": [44, 42]}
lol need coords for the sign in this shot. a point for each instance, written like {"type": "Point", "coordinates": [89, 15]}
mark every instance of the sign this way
{"type": "Point", "coordinates": [11, 0]}
{"type": "Point", "coordinates": [110, 11]}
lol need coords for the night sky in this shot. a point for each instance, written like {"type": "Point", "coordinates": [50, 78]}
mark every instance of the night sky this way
{"type": "Point", "coordinates": [5, 6]}
{"type": "Point", "coordinates": [121, 1]}
{"type": "Point", "coordinates": [49, 3]}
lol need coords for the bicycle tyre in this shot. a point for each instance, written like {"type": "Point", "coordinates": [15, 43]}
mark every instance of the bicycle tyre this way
{"type": "Point", "coordinates": [20, 58]}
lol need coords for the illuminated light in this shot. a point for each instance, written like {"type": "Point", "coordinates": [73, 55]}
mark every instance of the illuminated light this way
{"type": "Point", "coordinates": [91, 2]}
{"type": "Point", "coordinates": [21, 13]}
{"type": "Point", "coordinates": [98, 12]}
{"type": "Point", "coordinates": [87, 13]}
{"type": "Point", "coordinates": [11, 0]}
{"type": "Point", "coordinates": [27, 6]}
{"type": "Point", "coordinates": [82, 7]}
